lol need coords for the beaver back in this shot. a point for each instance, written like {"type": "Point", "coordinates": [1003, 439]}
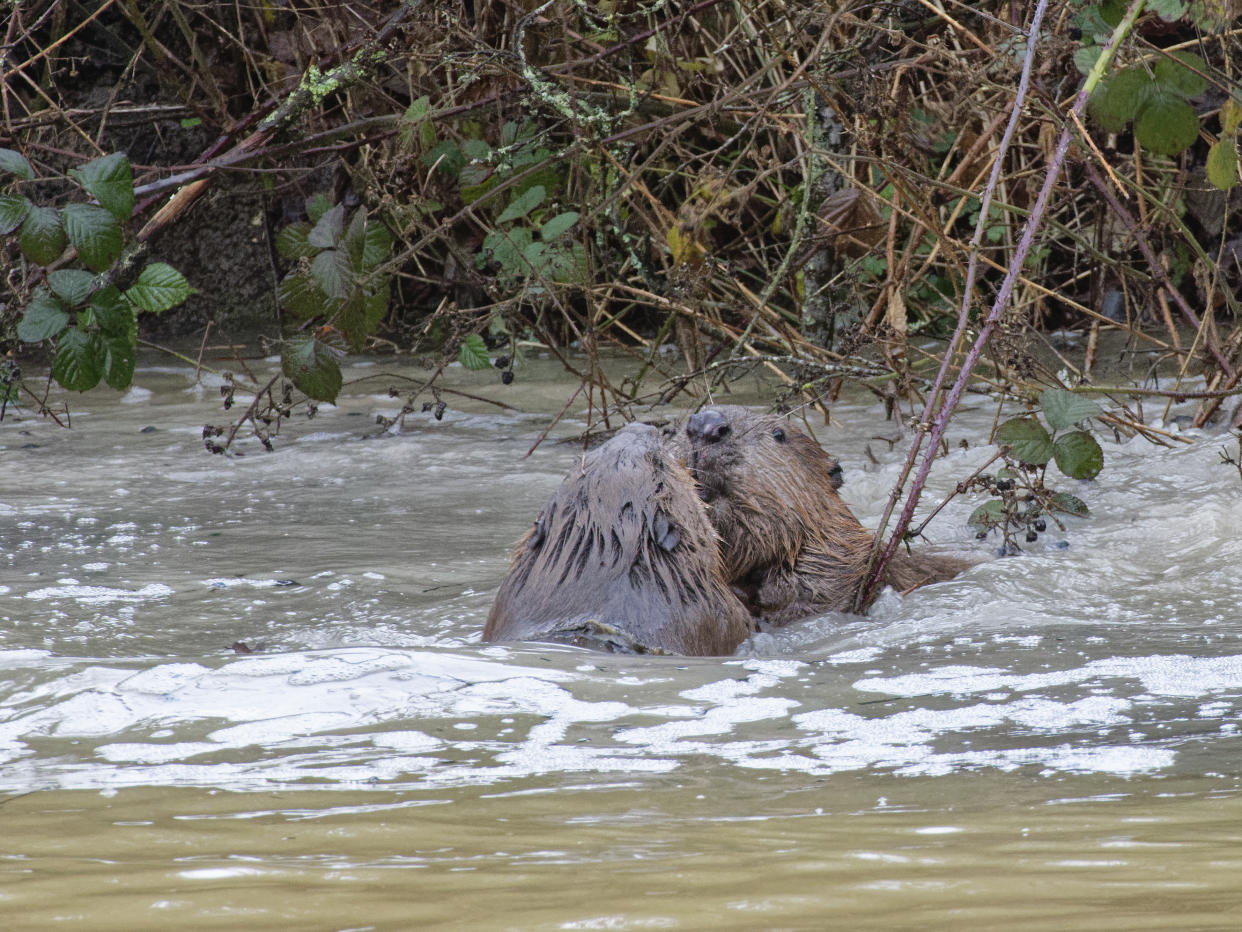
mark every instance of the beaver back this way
{"type": "Point", "coordinates": [624, 557]}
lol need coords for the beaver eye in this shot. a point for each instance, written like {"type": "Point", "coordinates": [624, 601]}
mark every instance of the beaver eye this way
{"type": "Point", "coordinates": [778, 435]}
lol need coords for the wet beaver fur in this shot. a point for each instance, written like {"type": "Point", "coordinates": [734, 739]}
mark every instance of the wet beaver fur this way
{"type": "Point", "coordinates": [789, 544]}
{"type": "Point", "coordinates": [622, 558]}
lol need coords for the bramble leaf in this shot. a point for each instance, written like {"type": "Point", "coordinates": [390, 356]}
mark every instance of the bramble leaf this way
{"type": "Point", "coordinates": [1167, 125]}
{"type": "Point", "coordinates": [110, 181]}
{"type": "Point", "coordinates": [118, 361]}
{"type": "Point", "coordinates": [1078, 455]}
{"type": "Point", "coordinates": [1120, 97]}
{"type": "Point", "coordinates": [44, 318]}
{"type": "Point", "coordinates": [1222, 164]}
{"type": "Point", "coordinates": [291, 242]}
{"type": "Point", "coordinates": [327, 230]}
{"type": "Point", "coordinates": [42, 239]}
{"type": "Point", "coordinates": [158, 288]}
{"type": "Point", "coordinates": [1064, 409]}
{"type": "Point", "coordinates": [332, 272]}
{"type": "Point", "coordinates": [988, 515]}
{"type": "Point", "coordinates": [94, 232]}
{"type": "Point", "coordinates": [317, 205]}
{"type": "Point", "coordinates": [73, 286]}
{"type": "Point", "coordinates": [300, 295]}
{"type": "Point", "coordinates": [116, 317]}
{"type": "Point", "coordinates": [1175, 73]}
{"type": "Point", "coordinates": [13, 210]}
{"type": "Point", "coordinates": [1028, 440]}
{"type": "Point", "coordinates": [79, 362]}
{"type": "Point", "coordinates": [15, 163]}
{"type": "Point", "coordinates": [1068, 504]}
{"type": "Point", "coordinates": [313, 367]}
{"type": "Point", "coordinates": [523, 204]}
{"type": "Point", "coordinates": [473, 353]}
{"type": "Point", "coordinates": [558, 225]}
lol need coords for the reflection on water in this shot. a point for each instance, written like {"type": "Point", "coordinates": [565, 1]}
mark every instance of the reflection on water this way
{"type": "Point", "coordinates": [1070, 716]}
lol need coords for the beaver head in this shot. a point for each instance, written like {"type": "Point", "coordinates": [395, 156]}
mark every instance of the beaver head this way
{"type": "Point", "coordinates": [622, 557]}
{"type": "Point", "coordinates": [768, 487]}
{"type": "Point", "coordinates": [788, 541]}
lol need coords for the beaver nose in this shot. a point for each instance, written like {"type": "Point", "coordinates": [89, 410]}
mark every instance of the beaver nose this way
{"type": "Point", "coordinates": [707, 427]}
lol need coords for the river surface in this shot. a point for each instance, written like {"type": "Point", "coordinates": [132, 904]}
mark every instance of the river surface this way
{"type": "Point", "coordinates": [1050, 741]}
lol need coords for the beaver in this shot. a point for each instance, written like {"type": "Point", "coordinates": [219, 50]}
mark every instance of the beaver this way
{"type": "Point", "coordinates": [622, 558]}
{"type": "Point", "coordinates": [789, 544]}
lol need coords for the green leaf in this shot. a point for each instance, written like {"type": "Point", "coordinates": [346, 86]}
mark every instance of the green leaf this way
{"type": "Point", "coordinates": [1086, 57]}
{"type": "Point", "coordinates": [1120, 97]}
{"type": "Point", "coordinates": [159, 287]}
{"type": "Point", "coordinates": [368, 241]}
{"type": "Point", "coordinates": [117, 318]}
{"type": "Point", "coordinates": [327, 230]}
{"type": "Point", "coordinates": [1230, 116]}
{"type": "Point", "coordinates": [333, 273]}
{"type": "Point", "coordinates": [1078, 455]}
{"type": "Point", "coordinates": [427, 135]}
{"type": "Point", "coordinates": [558, 225]}
{"type": "Point", "coordinates": [417, 109]}
{"type": "Point", "coordinates": [317, 205]}
{"type": "Point", "coordinates": [375, 306]}
{"type": "Point", "coordinates": [988, 515]}
{"type": "Point", "coordinates": [299, 294]}
{"type": "Point", "coordinates": [13, 210]}
{"type": "Point", "coordinates": [1175, 73]}
{"type": "Point", "coordinates": [360, 315]}
{"type": "Point", "coordinates": [570, 266]}
{"type": "Point", "coordinates": [95, 232]}
{"type": "Point", "coordinates": [1064, 409]}
{"type": "Point", "coordinates": [109, 180]}
{"type": "Point", "coordinates": [446, 157]}
{"type": "Point", "coordinates": [473, 353]}
{"type": "Point", "coordinates": [42, 238]}
{"type": "Point", "coordinates": [79, 362]}
{"type": "Point", "coordinates": [1167, 125]}
{"type": "Point", "coordinates": [118, 361]}
{"type": "Point", "coordinates": [506, 246]}
{"type": "Point", "coordinates": [1028, 440]}
{"type": "Point", "coordinates": [523, 204]}
{"type": "Point", "coordinates": [15, 163]}
{"type": "Point", "coordinates": [1168, 10]}
{"type": "Point", "coordinates": [1111, 11]}
{"type": "Point", "coordinates": [355, 234]}
{"type": "Point", "coordinates": [1222, 164]}
{"type": "Point", "coordinates": [44, 318]}
{"type": "Point", "coordinates": [291, 242]}
{"type": "Point", "coordinates": [1068, 504]}
{"type": "Point", "coordinates": [476, 149]}
{"type": "Point", "coordinates": [534, 260]}
{"type": "Point", "coordinates": [377, 246]}
{"type": "Point", "coordinates": [313, 367]}
{"type": "Point", "coordinates": [73, 286]}
{"type": "Point", "coordinates": [413, 121]}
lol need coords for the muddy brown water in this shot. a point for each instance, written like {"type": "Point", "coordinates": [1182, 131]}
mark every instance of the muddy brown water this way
{"type": "Point", "coordinates": [1050, 741]}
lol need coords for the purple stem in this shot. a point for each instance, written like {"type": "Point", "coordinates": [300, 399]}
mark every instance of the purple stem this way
{"type": "Point", "coordinates": [945, 410]}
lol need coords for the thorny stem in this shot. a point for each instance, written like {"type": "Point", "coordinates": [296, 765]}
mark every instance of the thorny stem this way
{"type": "Point", "coordinates": [931, 428]}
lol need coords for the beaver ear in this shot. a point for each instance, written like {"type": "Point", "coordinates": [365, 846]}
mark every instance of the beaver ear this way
{"type": "Point", "coordinates": [836, 475]}
{"type": "Point", "coordinates": [666, 535]}
{"type": "Point", "coordinates": [537, 535]}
